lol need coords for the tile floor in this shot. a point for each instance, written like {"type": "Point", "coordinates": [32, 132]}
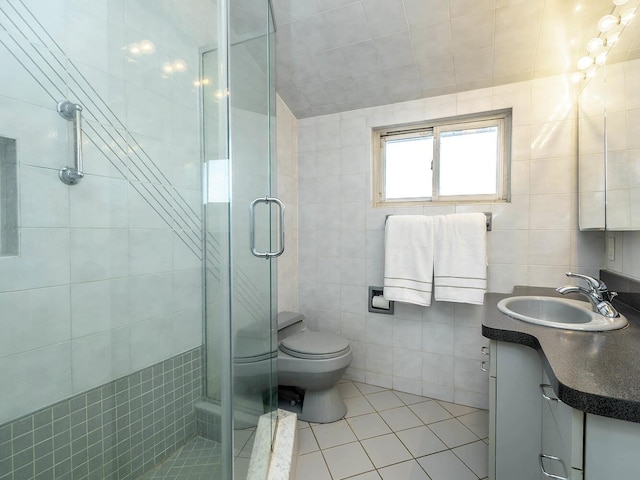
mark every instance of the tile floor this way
{"type": "Point", "coordinates": [392, 435]}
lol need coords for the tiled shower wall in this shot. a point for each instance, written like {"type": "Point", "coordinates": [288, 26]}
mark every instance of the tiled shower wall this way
{"type": "Point", "coordinates": [108, 278]}
{"type": "Point", "coordinates": [435, 351]}
{"type": "Point", "coordinates": [116, 431]}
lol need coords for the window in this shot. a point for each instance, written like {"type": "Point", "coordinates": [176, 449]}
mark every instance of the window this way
{"type": "Point", "coordinates": [459, 159]}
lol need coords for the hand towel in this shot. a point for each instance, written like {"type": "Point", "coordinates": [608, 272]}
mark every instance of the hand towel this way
{"type": "Point", "coordinates": [460, 258]}
{"type": "Point", "coordinates": [408, 259]}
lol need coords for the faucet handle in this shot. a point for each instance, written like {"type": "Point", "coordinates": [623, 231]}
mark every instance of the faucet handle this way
{"type": "Point", "coordinates": [594, 283]}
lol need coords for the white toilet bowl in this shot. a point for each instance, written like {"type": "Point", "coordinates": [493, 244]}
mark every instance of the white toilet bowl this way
{"type": "Point", "coordinates": [314, 362]}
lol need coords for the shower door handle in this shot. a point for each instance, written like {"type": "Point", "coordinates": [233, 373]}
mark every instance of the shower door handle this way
{"type": "Point", "coordinates": [73, 113]}
{"type": "Point", "coordinates": [252, 227]}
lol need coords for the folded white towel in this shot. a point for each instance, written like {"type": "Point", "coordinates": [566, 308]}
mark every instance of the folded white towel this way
{"type": "Point", "coordinates": [460, 258]}
{"type": "Point", "coordinates": [408, 259]}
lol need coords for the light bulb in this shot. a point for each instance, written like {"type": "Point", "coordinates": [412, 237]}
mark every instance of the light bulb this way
{"type": "Point", "coordinates": [601, 59]}
{"type": "Point", "coordinates": [607, 22]}
{"type": "Point", "coordinates": [167, 67]}
{"type": "Point", "coordinates": [620, 2]}
{"type": "Point", "coordinates": [585, 62]}
{"type": "Point", "coordinates": [594, 45]}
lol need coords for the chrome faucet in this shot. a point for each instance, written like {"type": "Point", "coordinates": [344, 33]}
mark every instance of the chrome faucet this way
{"type": "Point", "coordinates": [597, 293]}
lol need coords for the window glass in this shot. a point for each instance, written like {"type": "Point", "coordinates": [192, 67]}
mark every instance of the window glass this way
{"type": "Point", "coordinates": [469, 162]}
{"type": "Point", "coordinates": [408, 171]}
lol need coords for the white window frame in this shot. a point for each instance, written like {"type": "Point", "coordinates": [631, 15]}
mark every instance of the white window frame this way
{"type": "Point", "coordinates": [499, 118]}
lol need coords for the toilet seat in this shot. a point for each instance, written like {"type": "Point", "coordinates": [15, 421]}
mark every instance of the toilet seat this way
{"type": "Point", "coordinates": [314, 345]}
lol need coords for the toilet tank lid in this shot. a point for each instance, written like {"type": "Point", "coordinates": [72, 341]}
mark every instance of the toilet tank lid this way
{"type": "Point", "coordinates": [288, 318]}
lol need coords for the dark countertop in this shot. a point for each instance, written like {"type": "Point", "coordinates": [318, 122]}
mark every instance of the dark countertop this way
{"type": "Point", "coordinates": [596, 372]}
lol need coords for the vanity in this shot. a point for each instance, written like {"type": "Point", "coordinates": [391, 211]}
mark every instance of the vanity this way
{"type": "Point", "coordinates": [564, 404]}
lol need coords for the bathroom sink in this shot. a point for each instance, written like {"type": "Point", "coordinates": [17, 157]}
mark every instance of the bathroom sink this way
{"type": "Point", "coordinates": [559, 313]}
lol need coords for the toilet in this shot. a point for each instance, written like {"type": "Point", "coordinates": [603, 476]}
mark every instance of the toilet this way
{"type": "Point", "coordinates": [314, 362]}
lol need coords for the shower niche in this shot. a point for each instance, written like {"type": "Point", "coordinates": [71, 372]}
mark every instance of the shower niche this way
{"type": "Point", "coordinates": [8, 197]}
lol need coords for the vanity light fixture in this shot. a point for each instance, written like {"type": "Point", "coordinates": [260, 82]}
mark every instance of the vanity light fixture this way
{"type": "Point", "coordinates": [610, 26]}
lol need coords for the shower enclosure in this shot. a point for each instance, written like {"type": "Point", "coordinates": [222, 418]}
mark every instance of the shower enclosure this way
{"type": "Point", "coordinates": [135, 319]}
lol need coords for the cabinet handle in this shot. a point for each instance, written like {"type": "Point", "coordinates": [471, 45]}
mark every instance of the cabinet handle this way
{"type": "Point", "coordinates": [551, 475]}
{"type": "Point", "coordinates": [544, 394]}
{"type": "Point", "coordinates": [484, 350]}
{"type": "Point", "coordinates": [484, 366]}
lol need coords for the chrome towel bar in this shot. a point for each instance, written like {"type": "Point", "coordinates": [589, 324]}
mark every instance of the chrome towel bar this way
{"type": "Point", "coordinates": [489, 216]}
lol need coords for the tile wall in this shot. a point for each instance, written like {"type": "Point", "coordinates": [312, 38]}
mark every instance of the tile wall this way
{"type": "Point", "coordinates": [287, 189]}
{"type": "Point", "coordinates": [115, 431]}
{"type": "Point", "coordinates": [108, 278]}
{"type": "Point", "coordinates": [435, 351]}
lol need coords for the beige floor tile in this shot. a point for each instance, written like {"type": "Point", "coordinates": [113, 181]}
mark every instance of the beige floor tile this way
{"type": "Point", "coordinates": [366, 389]}
{"type": "Point", "coordinates": [453, 433]}
{"type": "Point", "coordinates": [331, 434]}
{"type": "Point", "coordinates": [312, 467]}
{"type": "Point", "coordinates": [348, 389]}
{"type": "Point", "coordinates": [386, 450]}
{"type": "Point", "coordinates": [347, 460]}
{"type": "Point", "coordinates": [477, 422]}
{"type": "Point", "coordinates": [475, 456]}
{"type": "Point", "coordinates": [358, 406]}
{"type": "Point", "coordinates": [400, 418]}
{"type": "Point", "coordinates": [368, 426]}
{"type": "Point", "coordinates": [410, 470]}
{"type": "Point", "coordinates": [307, 441]}
{"type": "Point", "coordinates": [455, 409]}
{"type": "Point", "coordinates": [430, 412]}
{"type": "Point", "coordinates": [408, 398]}
{"type": "Point", "coordinates": [421, 441]}
{"type": "Point", "coordinates": [446, 466]}
{"type": "Point", "coordinates": [384, 400]}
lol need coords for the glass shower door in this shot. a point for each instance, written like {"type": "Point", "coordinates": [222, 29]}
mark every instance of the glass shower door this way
{"type": "Point", "coordinates": [243, 225]}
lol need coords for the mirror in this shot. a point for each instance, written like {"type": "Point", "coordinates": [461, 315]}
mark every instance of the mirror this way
{"type": "Point", "coordinates": [609, 140]}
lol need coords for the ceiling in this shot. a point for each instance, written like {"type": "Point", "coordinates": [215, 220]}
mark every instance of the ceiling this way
{"type": "Point", "coordinates": [338, 55]}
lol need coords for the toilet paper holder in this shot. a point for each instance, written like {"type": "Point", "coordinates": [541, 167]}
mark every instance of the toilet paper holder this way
{"type": "Point", "coordinates": [377, 292]}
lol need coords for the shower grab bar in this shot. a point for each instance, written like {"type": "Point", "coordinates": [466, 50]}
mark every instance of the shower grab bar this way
{"type": "Point", "coordinates": [252, 229]}
{"type": "Point", "coordinates": [73, 113]}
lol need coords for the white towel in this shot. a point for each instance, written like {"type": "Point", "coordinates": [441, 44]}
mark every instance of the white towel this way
{"type": "Point", "coordinates": [408, 259]}
{"type": "Point", "coordinates": [460, 258]}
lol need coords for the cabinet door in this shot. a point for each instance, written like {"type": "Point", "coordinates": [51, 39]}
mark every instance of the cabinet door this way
{"type": "Point", "coordinates": [562, 433]}
{"type": "Point", "coordinates": [518, 412]}
{"type": "Point", "coordinates": [611, 449]}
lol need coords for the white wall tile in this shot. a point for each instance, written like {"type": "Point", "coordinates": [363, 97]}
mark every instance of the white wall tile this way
{"type": "Point", "coordinates": [33, 319]}
{"type": "Point", "coordinates": [532, 243]}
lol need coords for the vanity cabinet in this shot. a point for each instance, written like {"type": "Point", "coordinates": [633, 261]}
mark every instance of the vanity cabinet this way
{"type": "Point", "coordinates": [515, 412]}
{"type": "Point", "coordinates": [530, 428]}
{"type": "Point", "coordinates": [529, 432]}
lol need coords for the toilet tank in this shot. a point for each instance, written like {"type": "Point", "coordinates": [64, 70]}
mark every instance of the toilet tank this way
{"type": "Point", "coordinates": [288, 318]}
{"type": "Point", "coordinates": [289, 323]}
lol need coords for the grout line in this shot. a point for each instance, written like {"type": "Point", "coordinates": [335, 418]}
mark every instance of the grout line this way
{"type": "Point", "coordinates": [395, 433]}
